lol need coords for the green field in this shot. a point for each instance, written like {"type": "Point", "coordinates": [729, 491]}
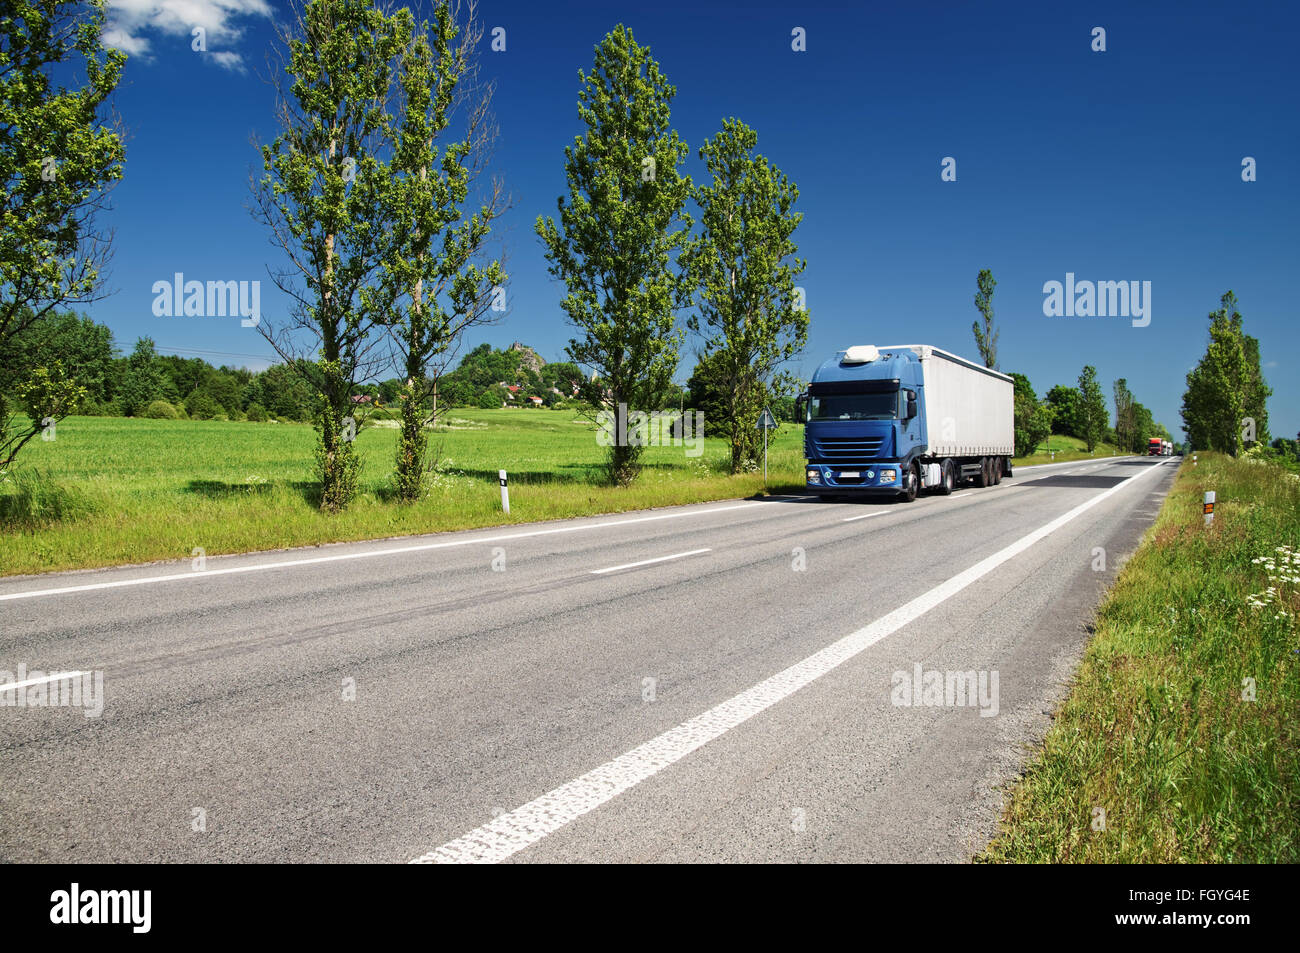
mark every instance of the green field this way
{"type": "Point", "coordinates": [1160, 731]}
{"type": "Point", "coordinates": [113, 490]}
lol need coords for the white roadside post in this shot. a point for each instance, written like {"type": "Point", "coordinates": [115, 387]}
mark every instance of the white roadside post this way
{"type": "Point", "coordinates": [505, 491]}
{"type": "Point", "coordinates": [1193, 459]}
{"type": "Point", "coordinates": [765, 423]}
{"type": "Point", "coordinates": [1208, 507]}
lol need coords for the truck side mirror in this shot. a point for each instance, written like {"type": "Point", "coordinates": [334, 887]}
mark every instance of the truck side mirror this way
{"type": "Point", "coordinates": [911, 404]}
{"type": "Point", "coordinates": [798, 408]}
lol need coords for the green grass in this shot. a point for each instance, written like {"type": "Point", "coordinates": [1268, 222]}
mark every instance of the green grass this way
{"type": "Point", "coordinates": [110, 490]}
{"type": "Point", "coordinates": [1156, 731]}
{"type": "Point", "coordinates": [1061, 449]}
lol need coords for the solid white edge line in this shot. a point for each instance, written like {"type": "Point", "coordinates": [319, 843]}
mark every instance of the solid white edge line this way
{"type": "Point", "coordinates": [199, 574]}
{"type": "Point", "coordinates": [647, 562]}
{"type": "Point", "coordinates": [56, 677]}
{"type": "Point", "coordinates": [526, 825]}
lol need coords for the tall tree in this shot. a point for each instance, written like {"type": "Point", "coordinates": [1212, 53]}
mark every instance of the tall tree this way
{"type": "Point", "coordinates": [60, 154]}
{"type": "Point", "coordinates": [1125, 421]}
{"type": "Point", "coordinates": [986, 337]}
{"type": "Point", "coordinates": [1093, 414]}
{"type": "Point", "coordinates": [327, 197]}
{"type": "Point", "coordinates": [744, 269]}
{"type": "Point", "coordinates": [619, 231]}
{"type": "Point", "coordinates": [1226, 394]}
{"type": "Point", "coordinates": [439, 283]}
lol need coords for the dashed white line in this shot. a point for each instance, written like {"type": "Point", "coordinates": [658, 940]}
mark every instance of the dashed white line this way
{"type": "Point", "coordinates": [647, 562]}
{"type": "Point", "coordinates": [56, 677]}
{"type": "Point", "coordinates": [864, 516]}
{"type": "Point", "coordinates": [512, 832]}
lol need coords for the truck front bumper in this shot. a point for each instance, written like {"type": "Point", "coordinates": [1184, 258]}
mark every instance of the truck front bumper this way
{"type": "Point", "coordinates": [883, 477]}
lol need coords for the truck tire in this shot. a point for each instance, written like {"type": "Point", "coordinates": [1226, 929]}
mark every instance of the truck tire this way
{"type": "Point", "coordinates": [996, 464]}
{"type": "Point", "coordinates": [910, 484]}
{"type": "Point", "coordinates": [985, 477]}
{"type": "Point", "coordinates": [1006, 466]}
{"type": "Point", "coordinates": [947, 477]}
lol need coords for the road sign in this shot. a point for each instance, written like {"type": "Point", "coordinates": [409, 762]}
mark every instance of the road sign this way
{"type": "Point", "coordinates": [766, 421]}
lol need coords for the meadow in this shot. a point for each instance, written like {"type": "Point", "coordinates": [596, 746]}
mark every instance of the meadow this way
{"type": "Point", "coordinates": [114, 490]}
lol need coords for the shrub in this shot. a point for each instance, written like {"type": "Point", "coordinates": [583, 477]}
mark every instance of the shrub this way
{"type": "Point", "coordinates": [488, 400]}
{"type": "Point", "coordinates": [161, 410]}
{"type": "Point", "coordinates": [256, 412]}
{"type": "Point", "coordinates": [201, 406]}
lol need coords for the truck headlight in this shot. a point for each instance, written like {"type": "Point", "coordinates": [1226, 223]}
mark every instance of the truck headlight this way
{"type": "Point", "coordinates": [887, 476]}
{"type": "Point", "coordinates": [814, 476]}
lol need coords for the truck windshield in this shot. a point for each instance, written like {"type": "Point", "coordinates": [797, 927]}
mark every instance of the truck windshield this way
{"type": "Point", "coordinates": [883, 406]}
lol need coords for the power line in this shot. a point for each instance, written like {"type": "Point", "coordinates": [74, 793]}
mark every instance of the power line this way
{"type": "Point", "coordinates": [192, 350]}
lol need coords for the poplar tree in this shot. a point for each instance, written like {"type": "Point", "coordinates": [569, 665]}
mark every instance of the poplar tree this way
{"type": "Point", "coordinates": [437, 281]}
{"type": "Point", "coordinates": [620, 235]}
{"type": "Point", "coordinates": [743, 269]}
{"type": "Point", "coordinates": [327, 197]}
{"type": "Point", "coordinates": [986, 336]}
{"type": "Point", "coordinates": [1092, 408]}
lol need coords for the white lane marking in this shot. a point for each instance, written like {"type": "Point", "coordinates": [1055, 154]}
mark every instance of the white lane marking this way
{"type": "Point", "coordinates": [524, 826]}
{"type": "Point", "coordinates": [56, 677]}
{"type": "Point", "coordinates": [199, 574]}
{"type": "Point", "coordinates": [864, 516]}
{"type": "Point", "coordinates": [647, 562]}
{"type": "Point", "coordinates": [958, 496]}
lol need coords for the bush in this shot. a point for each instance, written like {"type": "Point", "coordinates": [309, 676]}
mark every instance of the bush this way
{"type": "Point", "coordinates": [201, 406]}
{"type": "Point", "coordinates": [161, 410]}
{"type": "Point", "coordinates": [256, 412]}
{"type": "Point", "coordinates": [488, 400]}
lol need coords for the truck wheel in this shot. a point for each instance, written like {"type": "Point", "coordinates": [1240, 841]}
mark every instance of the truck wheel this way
{"type": "Point", "coordinates": [996, 464]}
{"type": "Point", "coordinates": [947, 480]}
{"type": "Point", "coordinates": [910, 483]}
{"type": "Point", "coordinates": [1006, 466]}
{"type": "Point", "coordinates": [985, 478]}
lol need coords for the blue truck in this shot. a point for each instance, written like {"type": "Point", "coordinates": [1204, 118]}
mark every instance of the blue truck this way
{"type": "Point", "coordinates": [892, 420]}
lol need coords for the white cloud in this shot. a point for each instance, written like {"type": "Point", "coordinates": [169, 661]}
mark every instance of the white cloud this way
{"type": "Point", "coordinates": [130, 22]}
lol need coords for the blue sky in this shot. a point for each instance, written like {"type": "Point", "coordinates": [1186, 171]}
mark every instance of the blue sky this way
{"type": "Point", "coordinates": [1115, 165]}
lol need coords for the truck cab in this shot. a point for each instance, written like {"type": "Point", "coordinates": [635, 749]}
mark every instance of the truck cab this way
{"type": "Point", "coordinates": [864, 422]}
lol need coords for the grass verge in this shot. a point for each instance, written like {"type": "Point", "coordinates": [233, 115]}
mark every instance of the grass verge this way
{"type": "Point", "coordinates": [1182, 724]}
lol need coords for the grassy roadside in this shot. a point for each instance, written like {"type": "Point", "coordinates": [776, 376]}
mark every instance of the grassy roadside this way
{"type": "Point", "coordinates": [1158, 731]}
{"type": "Point", "coordinates": [1063, 449]}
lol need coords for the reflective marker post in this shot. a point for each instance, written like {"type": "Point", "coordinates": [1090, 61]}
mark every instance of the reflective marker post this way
{"type": "Point", "coordinates": [505, 491]}
{"type": "Point", "coordinates": [765, 423]}
{"type": "Point", "coordinates": [1208, 507]}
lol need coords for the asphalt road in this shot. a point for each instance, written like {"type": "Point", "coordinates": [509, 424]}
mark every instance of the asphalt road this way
{"type": "Point", "coordinates": [525, 694]}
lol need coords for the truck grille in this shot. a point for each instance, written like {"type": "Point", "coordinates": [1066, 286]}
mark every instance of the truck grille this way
{"type": "Point", "coordinates": [846, 450]}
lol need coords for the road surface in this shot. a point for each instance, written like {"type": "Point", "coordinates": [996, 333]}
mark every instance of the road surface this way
{"type": "Point", "coordinates": [718, 682]}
